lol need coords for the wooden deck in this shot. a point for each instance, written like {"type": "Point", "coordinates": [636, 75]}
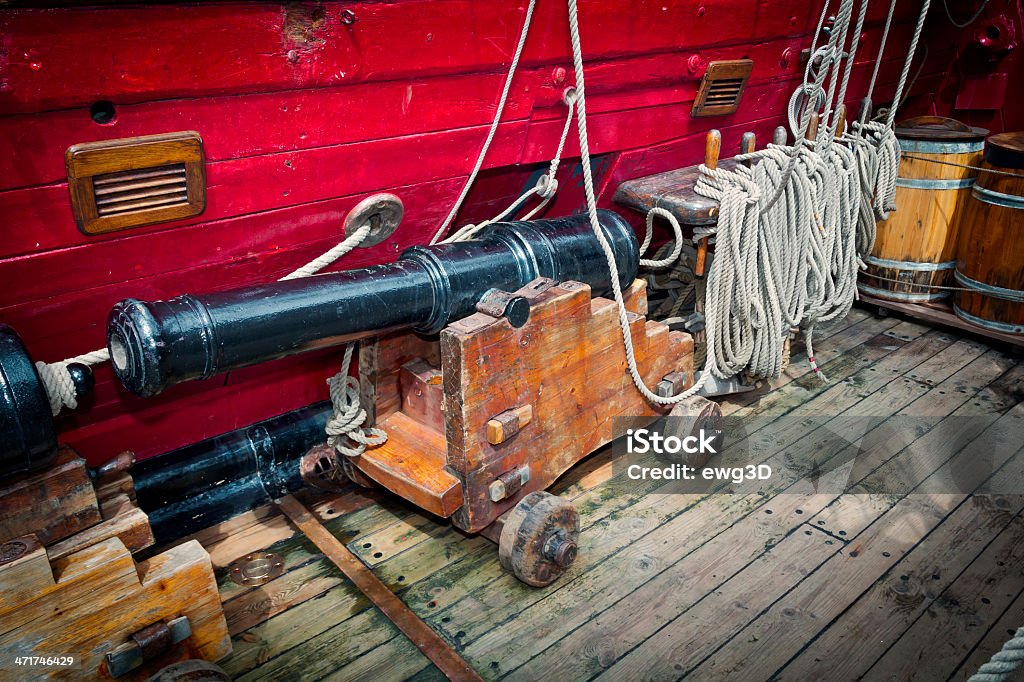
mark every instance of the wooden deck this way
{"type": "Point", "coordinates": [783, 582]}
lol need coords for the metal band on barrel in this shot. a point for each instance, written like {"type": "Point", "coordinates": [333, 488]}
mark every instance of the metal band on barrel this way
{"type": "Point", "coordinates": [931, 147]}
{"type": "Point", "coordinates": [929, 183]}
{"type": "Point", "coordinates": [1014, 295]}
{"type": "Point", "coordinates": [988, 196]}
{"type": "Point", "coordinates": [902, 296]}
{"type": "Point", "coordinates": [909, 265]}
{"type": "Point", "coordinates": [988, 324]}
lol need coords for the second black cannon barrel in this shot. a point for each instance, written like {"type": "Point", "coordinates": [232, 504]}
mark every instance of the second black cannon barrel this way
{"type": "Point", "coordinates": [160, 343]}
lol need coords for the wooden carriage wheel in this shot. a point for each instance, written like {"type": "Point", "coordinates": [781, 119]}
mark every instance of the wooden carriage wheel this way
{"type": "Point", "coordinates": [539, 539]}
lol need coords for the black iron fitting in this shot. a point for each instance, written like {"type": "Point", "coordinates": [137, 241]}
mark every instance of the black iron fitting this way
{"type": "Point", "coordinates": [160, 343]}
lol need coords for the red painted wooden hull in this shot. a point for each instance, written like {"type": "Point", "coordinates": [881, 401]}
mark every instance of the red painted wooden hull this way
{"type": "Point", "coordinates": [303, 115]}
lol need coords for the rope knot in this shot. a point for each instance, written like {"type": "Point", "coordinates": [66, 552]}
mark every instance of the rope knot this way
{"type": "Point", "coordinates": [348, 423]}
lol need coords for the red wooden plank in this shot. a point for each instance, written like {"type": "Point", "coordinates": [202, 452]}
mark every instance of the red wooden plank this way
{"type": "Point", "coordinates": [251, 125]}
{"type": "Point", "coordinates": [262, 183]}
{"type": "Point", "coordinates": [71, 318]}
{"type": "Point", "coordinates": [134, 54]}
{"type": "Point", "coordinates": [155, 425]}
{"type": "Point", "coordinates": [255, 124]}
{"type": "Point", "coordinates": [286, 231]}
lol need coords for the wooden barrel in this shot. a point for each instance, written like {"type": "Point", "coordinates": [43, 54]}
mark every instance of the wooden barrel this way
{"type": "Point", "coordinates": [990, 254]}
{"type": "Point", "coordinates": [915, 249]}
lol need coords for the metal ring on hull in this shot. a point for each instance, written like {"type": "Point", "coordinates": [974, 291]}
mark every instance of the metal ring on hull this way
{"type": "Point", "coordinates": [902, 296]}
{"type": "Point", "coordinates": [909, 265]}
{"type": "Point", "coordinates": [988, 324]}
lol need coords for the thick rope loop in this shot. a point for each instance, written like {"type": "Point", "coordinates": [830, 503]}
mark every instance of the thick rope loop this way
{"type": "Point", "coordinates": [347, 431]}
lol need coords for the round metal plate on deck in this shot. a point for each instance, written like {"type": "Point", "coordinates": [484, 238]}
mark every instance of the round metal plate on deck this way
{"type": "Point", "coordinates": [382, 211]}
{"type": "Point", "coordinates": [257, 568]}
{"type": "Point", "coordinates": [12, 550]}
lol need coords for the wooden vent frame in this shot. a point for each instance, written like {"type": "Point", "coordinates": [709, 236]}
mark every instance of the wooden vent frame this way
{"type": "Point", "coordinates": [722, 87]}
{"type": "Point", "coordinates": [135, 181]}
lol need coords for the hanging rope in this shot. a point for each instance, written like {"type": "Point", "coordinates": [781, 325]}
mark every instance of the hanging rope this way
{"type": "Point", "coordinates": [546, 185]}
{"type": "Point", "coordinates": [964, 24]}
{"type": "Point", "coordinates": [591, 203]}
{"type": "Point", "coordinates": [826, 57]}
{"type": "Point", "coordinates": [494, 125]}
{"type": "Point", "coordinates": [347, 424]}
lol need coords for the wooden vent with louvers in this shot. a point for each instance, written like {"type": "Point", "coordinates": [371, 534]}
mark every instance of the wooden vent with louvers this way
{"type": "Point", "coordinates": [118, 184]}
{"type": "Point", "coordinates": [722, 87]}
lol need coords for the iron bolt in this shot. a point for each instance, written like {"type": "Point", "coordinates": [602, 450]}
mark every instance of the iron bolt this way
{"type": "Point", "coordinates": [497, 490]}
{"type": "Point", "coordinates": [565, 553]}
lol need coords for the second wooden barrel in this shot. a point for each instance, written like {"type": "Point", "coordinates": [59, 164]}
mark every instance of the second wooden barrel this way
{"type": "Point", "coordinates": [915, 249]}
{"type": "Point", "coordinates": [990, 255]}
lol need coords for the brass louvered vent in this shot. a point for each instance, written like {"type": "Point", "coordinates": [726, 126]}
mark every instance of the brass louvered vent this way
{"type": "Point", "coordinates": [118, 184]}
{"type": "Point", "coordinates": [127, 191]}
{"type": "Point", "coordinates": [722, 88]}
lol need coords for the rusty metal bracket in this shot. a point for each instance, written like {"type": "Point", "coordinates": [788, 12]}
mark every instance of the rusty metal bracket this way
{"type": "Point", "coordinates": [419, 633]}
{"type": "Point", "coordinates": [147, 644]}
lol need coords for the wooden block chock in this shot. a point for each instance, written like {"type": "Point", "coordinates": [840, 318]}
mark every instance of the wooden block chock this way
{"type": "Point", "coordinates": [98, 602]}
{"type": "Point", "coordinates": [52, 504]}
{"type": "Point", "coordinates": [508, 423]}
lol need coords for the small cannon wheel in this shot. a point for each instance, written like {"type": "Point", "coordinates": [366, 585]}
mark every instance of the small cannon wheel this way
{"type": "Point", "coordinates": [192, 670]}
{"type": "Point", "coordinates": [539, 539]}
{"type": "Point", "coordinates": [693, 415]}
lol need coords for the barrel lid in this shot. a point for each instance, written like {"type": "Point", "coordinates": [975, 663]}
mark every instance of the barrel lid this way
{"type": "Point", "coordinates": [1005, 150]}
{"type": "Point", "coordinates": [938, 128]}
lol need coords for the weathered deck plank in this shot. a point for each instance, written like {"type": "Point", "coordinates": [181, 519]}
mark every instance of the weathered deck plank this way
{"type": "Point", "coordinates": [706, 583]}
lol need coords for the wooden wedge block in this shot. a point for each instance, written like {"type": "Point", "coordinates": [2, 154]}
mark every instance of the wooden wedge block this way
{"type": "Point", "coordinates": [90, 602]}
{"type": "Point", "coordinates": [52, 504]}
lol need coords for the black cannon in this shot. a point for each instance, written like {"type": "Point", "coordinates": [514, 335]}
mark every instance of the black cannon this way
{"type": "Point", "coordinates": [28, 438]}
{"type": "Point", "coordinates": [157, 344]}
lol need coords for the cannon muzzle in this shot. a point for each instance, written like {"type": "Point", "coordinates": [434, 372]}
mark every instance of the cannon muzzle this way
{"type": "Point", "coordinates": [160, 343]}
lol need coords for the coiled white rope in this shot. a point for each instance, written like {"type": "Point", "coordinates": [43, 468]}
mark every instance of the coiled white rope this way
{"type": "Point", "coordinates": [347, 424]}
{"type": "Point", "coordinates": [494, 125]}
{"type": "Point", "coordinates": [1004, 662]}
{"type": "Point", "coordinates": [792, 265]}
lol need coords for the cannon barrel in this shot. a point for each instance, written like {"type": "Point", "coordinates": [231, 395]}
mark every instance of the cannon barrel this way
{"type": "Point", "coordinates": [157, 344]}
